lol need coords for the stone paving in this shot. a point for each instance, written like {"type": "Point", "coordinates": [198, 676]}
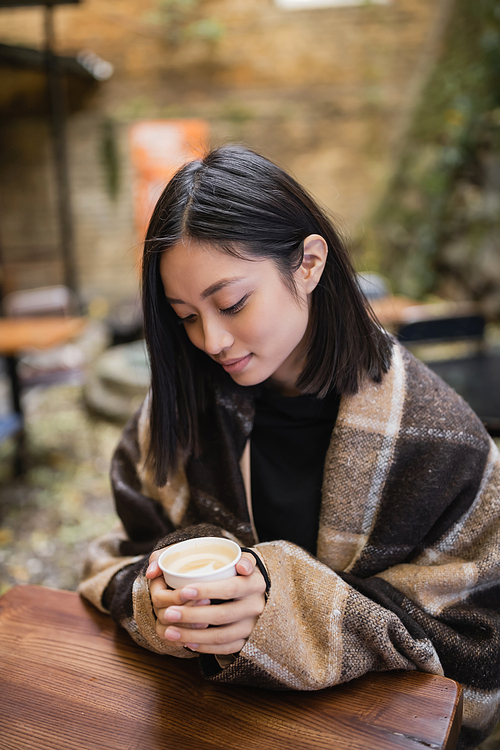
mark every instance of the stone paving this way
{"type": "Point", "coordinates": [48, 516]}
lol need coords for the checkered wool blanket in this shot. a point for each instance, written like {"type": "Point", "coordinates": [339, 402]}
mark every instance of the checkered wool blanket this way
{"type": "Point", "coordinates": [407, 572]}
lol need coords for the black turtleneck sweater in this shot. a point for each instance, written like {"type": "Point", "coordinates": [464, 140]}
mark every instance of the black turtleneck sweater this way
{"type": "Point", "coordinates": [289, 441]}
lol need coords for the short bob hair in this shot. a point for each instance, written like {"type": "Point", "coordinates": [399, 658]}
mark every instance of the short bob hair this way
{"type": "Point", "coordinates": [243, 204]}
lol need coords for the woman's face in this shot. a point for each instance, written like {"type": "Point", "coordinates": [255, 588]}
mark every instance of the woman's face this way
{"type": "Point", "coordinates": [239, 312]}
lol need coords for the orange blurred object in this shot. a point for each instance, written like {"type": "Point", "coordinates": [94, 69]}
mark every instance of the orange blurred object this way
{"type": "Point", "coordinates": [24, 334]}
{"type": "Point", "coordinates": [159, 148]}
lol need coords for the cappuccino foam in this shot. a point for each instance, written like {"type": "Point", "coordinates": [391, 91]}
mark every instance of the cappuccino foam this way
{"type": "Point", "coordinates": [199, 562]}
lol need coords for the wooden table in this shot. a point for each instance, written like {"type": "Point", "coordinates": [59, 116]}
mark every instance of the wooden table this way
{"type": "Point", "coordinates": [19, 334]}
{"type": "Point", "coordinates": [70, 680]}
{"type": "Point", "coordinates": [390, 310]}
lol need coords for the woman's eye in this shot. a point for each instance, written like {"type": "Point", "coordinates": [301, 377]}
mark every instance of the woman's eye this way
{"type": "Point", "coordinates": [235, 308]}
{"type": "Point", "coordinates": [187, 319]}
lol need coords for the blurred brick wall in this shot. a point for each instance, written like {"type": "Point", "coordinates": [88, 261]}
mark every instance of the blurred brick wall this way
{"type": "Point", "coordinates": [324, 92]}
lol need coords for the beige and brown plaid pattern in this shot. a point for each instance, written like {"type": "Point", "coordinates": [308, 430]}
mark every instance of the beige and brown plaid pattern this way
{"type": "Point", "coordinates": [407, 573]}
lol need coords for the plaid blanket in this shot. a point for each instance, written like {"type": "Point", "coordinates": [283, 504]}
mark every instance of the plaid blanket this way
{"type": "Point", "coordinates": [407, 572]}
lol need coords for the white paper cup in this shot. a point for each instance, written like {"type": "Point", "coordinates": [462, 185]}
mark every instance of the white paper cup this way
{"type": "Point", "coordinates": [207, 558]}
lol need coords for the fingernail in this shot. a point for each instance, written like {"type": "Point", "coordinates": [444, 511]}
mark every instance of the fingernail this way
{"type": "Point", "coordinates": [202, 602]}
{"type": "Point", "coordinates": [172, 635]}
{"type": "Point", "coordinates": [246, 564]}
{"type": "Point", "coordinates": [172, 614]}
{"type": "Point", "coordinates": [151, 567]}
{"type": "Point", "coordinates": [192, 646]}
{"type": "Point", "coordinates": [188, 593]}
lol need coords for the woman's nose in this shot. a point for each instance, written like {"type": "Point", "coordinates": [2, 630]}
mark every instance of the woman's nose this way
{"type": "Point", "coordinates": [216, 338]}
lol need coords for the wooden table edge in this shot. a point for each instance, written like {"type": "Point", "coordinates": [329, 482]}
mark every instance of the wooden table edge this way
{"type": "Point", "coordinates": [25, 591]}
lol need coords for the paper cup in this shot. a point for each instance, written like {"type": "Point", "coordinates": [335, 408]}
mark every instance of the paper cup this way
{"type": "Point", "coordinates": [207, 558]}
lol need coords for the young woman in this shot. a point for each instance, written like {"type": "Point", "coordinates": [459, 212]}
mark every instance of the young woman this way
{"type": "Point", "coordinates": [281, 415]}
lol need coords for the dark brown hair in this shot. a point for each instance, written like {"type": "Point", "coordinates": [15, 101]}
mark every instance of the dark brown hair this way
{"type": "Point", "coordinates": [245, 205]}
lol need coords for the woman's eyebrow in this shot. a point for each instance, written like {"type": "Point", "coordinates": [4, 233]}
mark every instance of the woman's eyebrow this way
{"type": "Point", "coordinates": [212, 289]}
{"type": "Point", "coordinates": [220, 285]}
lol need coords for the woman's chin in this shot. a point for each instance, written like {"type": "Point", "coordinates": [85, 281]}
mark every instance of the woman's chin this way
{"type": "Point", "coordinates": [245, 380]}
{"type": "Point", "coordinates": [249, 378]}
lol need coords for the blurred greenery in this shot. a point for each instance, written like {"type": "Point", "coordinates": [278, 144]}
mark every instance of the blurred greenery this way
{"type": "Point", "coordinates": [437, 197]}
{"type": "Point", "coordinates": [183, 20]}
{"type": "Point", "coordinates": [236, 112]}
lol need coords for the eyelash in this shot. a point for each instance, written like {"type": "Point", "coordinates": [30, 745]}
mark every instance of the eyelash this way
{"type": "Point", "coordinates": [235, 308]}
{"type": "Point", "coordinates": [227, 311]}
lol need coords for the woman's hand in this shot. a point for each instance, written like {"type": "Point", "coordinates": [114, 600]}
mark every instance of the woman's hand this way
{"type": "Point", "coordinates": [181, 611]}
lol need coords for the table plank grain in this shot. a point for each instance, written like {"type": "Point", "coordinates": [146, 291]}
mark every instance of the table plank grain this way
{"type": "Point", "coordinates": [71, 680]}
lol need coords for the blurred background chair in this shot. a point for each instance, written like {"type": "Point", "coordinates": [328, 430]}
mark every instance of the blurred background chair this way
{"type": "Point", "coordinates": [42, 362]}
{"type": "Point", "coordinates": [37, 334]}
{"type": "Point", "coordinates": [454, 346]}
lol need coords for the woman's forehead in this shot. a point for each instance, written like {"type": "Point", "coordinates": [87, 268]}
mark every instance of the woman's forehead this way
{"type": "Point", "coordinates": [195, 267]}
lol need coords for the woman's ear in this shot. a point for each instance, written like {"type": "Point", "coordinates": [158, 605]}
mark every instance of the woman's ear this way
{"type": "Point", "coordinates": [313, 262]}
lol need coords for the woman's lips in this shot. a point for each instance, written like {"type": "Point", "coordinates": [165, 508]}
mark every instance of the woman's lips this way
{"type": "Point", "coordinates": [236, 365]}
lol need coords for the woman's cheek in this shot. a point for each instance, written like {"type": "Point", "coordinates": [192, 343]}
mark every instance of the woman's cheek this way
{"type": "Point", "coordinates": [255, 331]}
